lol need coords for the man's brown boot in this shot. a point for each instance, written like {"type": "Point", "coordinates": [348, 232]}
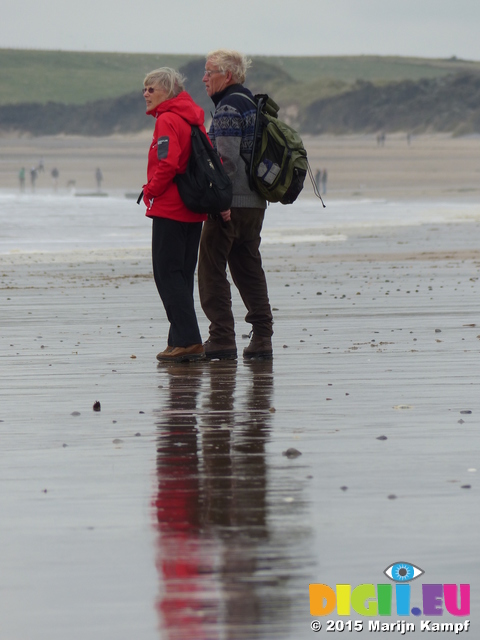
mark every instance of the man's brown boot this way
{"type": "Point", "coordinates": [260, 347]}
{"type": "Point", "coordinates": [217, 351]}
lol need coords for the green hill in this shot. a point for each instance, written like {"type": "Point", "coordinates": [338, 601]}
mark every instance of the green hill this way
{"type": "Point", "coordinates": [349, 69]}
{"type": "Point", "coordinates": [52, 92]}
{"type": "Point", "coordinates": [75, 77]}
{"type": "Point", "coordinates": [78, 77]}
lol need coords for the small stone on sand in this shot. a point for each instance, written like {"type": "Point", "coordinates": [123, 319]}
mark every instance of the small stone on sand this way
{"type": "Point", "coordinates": [292, 453]}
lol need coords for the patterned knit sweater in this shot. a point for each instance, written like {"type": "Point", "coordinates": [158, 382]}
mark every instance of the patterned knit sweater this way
{"type": "Point", "coordinates": [231, 133]}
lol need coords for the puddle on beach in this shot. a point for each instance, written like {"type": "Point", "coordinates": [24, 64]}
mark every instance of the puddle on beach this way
{"type": "Point", "coordinates": [230, 552]}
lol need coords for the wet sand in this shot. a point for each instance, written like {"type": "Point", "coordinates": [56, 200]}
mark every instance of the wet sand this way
{"type": "Point", "coordinates": [173, 512]}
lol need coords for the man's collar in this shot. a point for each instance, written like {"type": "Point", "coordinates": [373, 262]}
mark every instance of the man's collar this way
{"type": "Point", "coordinates": [232, 88]}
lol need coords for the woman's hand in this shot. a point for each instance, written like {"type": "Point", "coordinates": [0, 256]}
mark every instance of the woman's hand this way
{"type": "Point", "coordinates": [225, 215]}
{"type": "Point", "coordinates": [147, 201]}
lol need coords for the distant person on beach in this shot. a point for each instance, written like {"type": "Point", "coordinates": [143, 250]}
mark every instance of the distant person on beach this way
{"type": "Point", "coordinates": [381, 139]}
{"type": "Point", "coordinates": [55, 173]}
{"type": "Point", "coordinates": [318, 178]}
{"type": "Point", "coordinates": [235, 238]}
{"type": "Point", "coordinates": [33, 177]}
{"type": "Point", "coordinates": [99, 178]}
{"type": "Point", "coordinates": [324, 181]}
{"type": "Point", "coordinates": [175, 229]}
{"type": "Point", "coordinates": [21, 179]}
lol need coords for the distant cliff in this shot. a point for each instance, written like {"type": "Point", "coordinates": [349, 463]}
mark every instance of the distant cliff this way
{"type": "Point", "coordinates": [99, 118]}
{"type": "Point", "coordinates": [449, 103]}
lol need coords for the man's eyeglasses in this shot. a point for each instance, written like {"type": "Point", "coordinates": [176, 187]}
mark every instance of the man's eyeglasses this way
{"type": "Point", "coordinates": [210, 72]}
{"type": "Point", "coordinates": [149, 89]}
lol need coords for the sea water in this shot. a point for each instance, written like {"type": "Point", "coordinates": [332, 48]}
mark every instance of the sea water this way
{"type": "Point", "coordinates": [47, 222]}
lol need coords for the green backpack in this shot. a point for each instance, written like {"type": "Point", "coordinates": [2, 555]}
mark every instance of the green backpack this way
{"type": "Point", "coordinates": [278, 164]}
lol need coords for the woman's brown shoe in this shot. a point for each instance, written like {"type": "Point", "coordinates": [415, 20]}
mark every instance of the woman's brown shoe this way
{"type": "Point", "coordinates": [182, 354]}
{"type": "Point", "coordinates": [169, 349]}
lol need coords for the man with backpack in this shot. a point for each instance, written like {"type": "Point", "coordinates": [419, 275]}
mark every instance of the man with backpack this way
{"type": "Point", "coordinates": [234, 237]}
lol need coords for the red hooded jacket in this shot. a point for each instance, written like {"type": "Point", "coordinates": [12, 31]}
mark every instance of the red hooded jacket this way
{"type": "Point", "coordinates": [168, 155]}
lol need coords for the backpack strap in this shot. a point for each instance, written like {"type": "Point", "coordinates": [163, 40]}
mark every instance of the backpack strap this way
{"type": "Point", "coordinates": [238, 93]}
{"type": "Point", "coordinates": [256, 135]}
{"type": "Point", "coordinates": [258, 103]}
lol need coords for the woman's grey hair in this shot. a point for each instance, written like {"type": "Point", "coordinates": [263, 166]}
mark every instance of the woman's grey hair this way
{"type": "Point", "coordinates": [233, 61]}
{"type": "Point", "coordinates": [166, 78]}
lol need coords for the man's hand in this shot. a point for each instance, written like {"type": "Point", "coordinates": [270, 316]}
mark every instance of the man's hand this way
{"type": "Point", "coordinates": [225, 215]}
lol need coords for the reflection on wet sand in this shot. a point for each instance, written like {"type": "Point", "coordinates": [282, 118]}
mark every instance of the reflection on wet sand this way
{"type": "Point", "coordinates": [220, 574]}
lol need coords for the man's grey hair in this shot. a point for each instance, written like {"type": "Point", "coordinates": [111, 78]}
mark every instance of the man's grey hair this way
{"type": "Point", "coordinates": [233, 61]}
{"type": "Point", "coordinates": [167, 79]}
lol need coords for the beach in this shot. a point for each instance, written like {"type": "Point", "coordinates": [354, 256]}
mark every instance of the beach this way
{"type": "Point", "coordinates": [201, 500]}
{"type": "Point", "coordinates": [429, 166]}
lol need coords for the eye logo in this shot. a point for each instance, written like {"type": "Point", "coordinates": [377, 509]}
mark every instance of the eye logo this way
{"type": "Point", "coordinates": [403, 572]}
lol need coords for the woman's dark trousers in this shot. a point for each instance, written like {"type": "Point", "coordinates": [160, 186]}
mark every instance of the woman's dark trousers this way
{"type": "Point", "coordinates": [174, 257]}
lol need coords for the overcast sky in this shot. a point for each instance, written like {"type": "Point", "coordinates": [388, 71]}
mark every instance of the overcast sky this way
{"type": "Point", "coordinates": [425, 28]}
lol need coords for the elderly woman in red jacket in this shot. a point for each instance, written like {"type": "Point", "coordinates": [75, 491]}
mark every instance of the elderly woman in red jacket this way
{"type": "Point", "coordinates": [175, 229]}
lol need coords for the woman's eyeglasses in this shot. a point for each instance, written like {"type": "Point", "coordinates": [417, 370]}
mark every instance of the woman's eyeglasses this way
{"type": "Point", "coordinates": [148, 89]}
